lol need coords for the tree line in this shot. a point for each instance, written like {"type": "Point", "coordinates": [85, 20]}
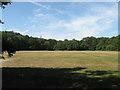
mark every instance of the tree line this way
{"type": "Point", "coordinates": [12, 42]}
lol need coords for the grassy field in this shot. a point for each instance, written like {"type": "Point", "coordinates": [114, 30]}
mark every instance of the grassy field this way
{"type": "Point", "coordinates": [69, 69]}
{"type": "Point", "coordinates": [64, 59]}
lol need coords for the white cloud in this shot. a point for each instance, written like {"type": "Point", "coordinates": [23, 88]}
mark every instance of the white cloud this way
{"type": "Point", "coordinates": [100, 19]}
{"type": "Point", "coordinates": [45, 7]}
{"type": "Point", "coordinates": [38, 4]}
{"type": "Point", "coordinates": [88, 25]}
{"type": "Point", "coordinates": [106, 11]}
{"type": "Point", "coordinates": [41, 15]}
{"type": "Point", "coordinates": [18, 31]}
{"type": "Point", "coordinates": [37, 10]}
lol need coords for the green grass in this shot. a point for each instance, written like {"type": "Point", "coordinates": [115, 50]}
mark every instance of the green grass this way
{"type": "Point", "coordinates": [57, 69]}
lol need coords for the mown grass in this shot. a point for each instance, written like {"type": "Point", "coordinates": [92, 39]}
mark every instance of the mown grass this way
{"type": "Point", "coordinates": [64, 59]}
{"type": "Point", "coordinates": [62, 69]}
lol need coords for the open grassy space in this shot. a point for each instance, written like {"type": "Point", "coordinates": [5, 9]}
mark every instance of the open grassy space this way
{"type": "Point", "coordinates": [69, 69]}
{"type": "Point", "coordinates": [102, 60]}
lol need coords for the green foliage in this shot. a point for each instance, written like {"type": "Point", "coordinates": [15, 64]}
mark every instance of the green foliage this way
{"type": "Point", "coordinates": [3, 3]}
{"type": "Point", "coordinates": [89, 43]}
{"type": "Point", "coordinates": [12, 42]}
{"type": "Point", "coordinates": [60, 45]}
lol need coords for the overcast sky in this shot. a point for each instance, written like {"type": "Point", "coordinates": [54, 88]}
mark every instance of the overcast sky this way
{"type": "Point", "coordinates": [62, 20]}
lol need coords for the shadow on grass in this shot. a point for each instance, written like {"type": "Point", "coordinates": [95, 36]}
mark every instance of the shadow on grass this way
{"type": "Point", "coordinates": [57, 78]}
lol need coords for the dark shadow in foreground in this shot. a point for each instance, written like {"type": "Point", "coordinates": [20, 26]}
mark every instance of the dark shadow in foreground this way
{"type": "Point", "coordinates": [57, 78]}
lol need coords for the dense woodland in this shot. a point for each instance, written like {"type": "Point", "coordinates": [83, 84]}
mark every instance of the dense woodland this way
{"type": "Point", "coordinates": [12, 42]}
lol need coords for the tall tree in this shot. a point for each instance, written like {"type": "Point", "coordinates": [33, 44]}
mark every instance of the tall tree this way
{"type": "Point", "coordinates": [8, 42]}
